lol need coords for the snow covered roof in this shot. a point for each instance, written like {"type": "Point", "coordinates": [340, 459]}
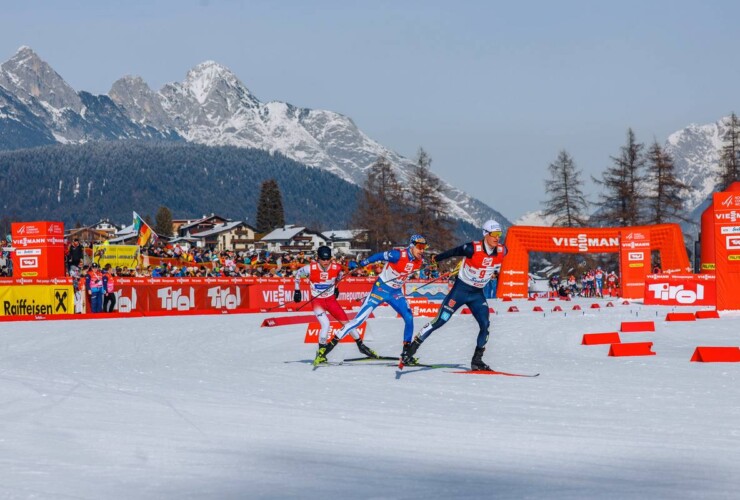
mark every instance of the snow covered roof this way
{"type": "Point", "coordinates": [342, 234]}
{"type": "Point", "coordinates": [218, 229]}
{"type": "Point", "coordinates": [285, 233]}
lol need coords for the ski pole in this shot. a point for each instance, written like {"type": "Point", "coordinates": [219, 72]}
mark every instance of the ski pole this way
{"type": "Point", "coordinates": [391, 281]}
{"type": "Point", "coordinates": [440, 277]}
{"type": "Point", "coordinates": [349, 273]}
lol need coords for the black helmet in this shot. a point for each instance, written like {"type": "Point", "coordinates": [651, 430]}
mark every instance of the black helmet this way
{"type": "Point", "coordinates": [323, 253]}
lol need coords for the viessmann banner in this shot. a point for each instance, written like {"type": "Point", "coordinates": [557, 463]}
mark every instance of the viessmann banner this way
{"type": "Point", "coordinates": [39, 249]}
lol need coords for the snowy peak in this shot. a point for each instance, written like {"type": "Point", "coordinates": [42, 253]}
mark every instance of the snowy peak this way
{"type": "Point", "coordinates": [211, 80]}
{"type": "Point", "coordinates": [211, 106]}
{"type": "Point", "coordinates": [29, 77]}
{"type": "Point", "coordinates": [139, 102]}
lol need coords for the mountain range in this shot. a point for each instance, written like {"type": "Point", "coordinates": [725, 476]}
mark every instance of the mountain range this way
{"type": "Point", "coordinates": [210, 107]}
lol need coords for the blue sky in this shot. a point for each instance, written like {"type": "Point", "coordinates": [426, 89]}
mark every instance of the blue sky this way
{"type": "Point", "coordinates": [492, 90]}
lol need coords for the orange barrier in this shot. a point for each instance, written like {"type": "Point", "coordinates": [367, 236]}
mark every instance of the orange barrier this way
{"type": "Point", "coordinates": [632, 349]}
{"type": "Point", "coordinates": [705, 354]}
{"type": "Point", "coordinates": [601, 338]}
{"type": "Point", "coordinates": [680, 317]}
{"type": "Point", "coordinates": [637, 326]}
{"type": "Point", "coordinates": [707, 315]}
{"type": "Point", "coordinates": [313, 329]}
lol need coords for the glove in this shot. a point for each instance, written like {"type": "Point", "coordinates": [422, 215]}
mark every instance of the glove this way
{"type": "Point", "coordinates": [352, 265]}
{"type": "Point", "coordinates": [433, 258]}
{"type": "Point", "coordinates": [336, 292]}
{"type": "Point", "coordinates": [364, 263]}
{"type": "Point", "coordinates": [297, 296]}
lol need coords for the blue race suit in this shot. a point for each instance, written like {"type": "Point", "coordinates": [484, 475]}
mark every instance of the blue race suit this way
{"type": "Point", "coordinates": [388, 288]}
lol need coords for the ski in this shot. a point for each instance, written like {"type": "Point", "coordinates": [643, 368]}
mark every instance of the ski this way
{"type": "Point", "coordinates": [496, 372]}
{"type": "Point", "coordinates": [368, 358]}
{"type": "Point", "coordinates": [401, 366]}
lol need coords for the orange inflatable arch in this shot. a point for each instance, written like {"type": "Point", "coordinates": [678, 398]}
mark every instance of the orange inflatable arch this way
{"type": "Point", "coordinates": [634, 244]}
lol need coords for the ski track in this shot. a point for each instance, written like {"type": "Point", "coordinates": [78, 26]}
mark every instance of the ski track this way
{"type": "Point", "coordinates": [217, 407]}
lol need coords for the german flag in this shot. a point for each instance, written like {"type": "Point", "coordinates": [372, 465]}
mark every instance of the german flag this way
{"type": "Point", "coordinates": [144, 233]}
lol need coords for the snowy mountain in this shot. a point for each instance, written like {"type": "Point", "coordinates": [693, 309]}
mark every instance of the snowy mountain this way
{"type": "Point", "coordinates": [211, 107]}
{"type": "Point", "coordinates": [29, 86]}
{"type": "Point", "coordinates": [696, 151]}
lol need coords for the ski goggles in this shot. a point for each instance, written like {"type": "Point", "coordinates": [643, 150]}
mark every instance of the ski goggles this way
{"type": "Point", "coordinates": [420, 245]}
{"type": "Point", "coordinates": [496, 234]}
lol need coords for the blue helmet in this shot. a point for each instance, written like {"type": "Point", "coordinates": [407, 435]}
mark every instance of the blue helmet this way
{"type": "Point", "coordinates": [417, 238]}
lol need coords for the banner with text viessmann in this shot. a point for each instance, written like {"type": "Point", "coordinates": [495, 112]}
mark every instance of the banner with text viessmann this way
{"type": "Point", "coordinates": [634, 255]}
{"type": "Point", "coordinates": [727, 249]}
{"type": "Point", "coordinates": [39, 249]}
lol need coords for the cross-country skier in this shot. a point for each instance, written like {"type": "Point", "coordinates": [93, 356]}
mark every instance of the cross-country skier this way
{"type": "Point", "coordinates": [323, 275]}
{"type": "Point", "coordinates": [388, 287]}
{"type": "Point", "coordinates": [481, 259]}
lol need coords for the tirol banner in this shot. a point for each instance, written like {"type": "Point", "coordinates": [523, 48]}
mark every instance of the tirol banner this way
{"type": "Point", "coordinates": [680, 289]}
{"type": "Point", "coordinates": [39, 249]}
{"type": "Point", "coordinates": [125, 256]}
{"type": "Point", "coordinates": [727, 249]}
{"type": "Point", "coordinates": [513, 280]}
{"type": "Point", "coordinates": [36, 300]}
{"type": "Point", "coordinates": [634, 261]}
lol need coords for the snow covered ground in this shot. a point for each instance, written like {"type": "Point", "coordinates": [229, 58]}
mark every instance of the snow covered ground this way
{"type": "Point", "coordinates": [216, 407]}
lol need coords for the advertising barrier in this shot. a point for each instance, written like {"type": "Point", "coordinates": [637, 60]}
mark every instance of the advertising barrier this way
{"type": "Point", "coordinates": [36, 300]}
{"type": "Point", "coordinates": [680, 290]}
{"type": "Point", "coordinates": [39, 249]}
{"type": "Point", "coordinates": [667, 239]}
{"type": "Point", "coordinates": [727, 249]}
{"type": "Point", "coordinates": [126, 256]}
{"type": "Point", "coordinates": [161, 296]}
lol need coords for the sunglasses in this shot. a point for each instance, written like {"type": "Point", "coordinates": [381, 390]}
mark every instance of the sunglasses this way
{"type": "Point", "coordinates": [497, 234]}
{"type": "Point", "coordinates": [420, 245]}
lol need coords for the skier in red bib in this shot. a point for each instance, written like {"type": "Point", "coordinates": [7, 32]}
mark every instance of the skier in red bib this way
{"type": "Point", "coordinates": [481, 259]}
{"type": "Point", "coordinates": [323, 275]}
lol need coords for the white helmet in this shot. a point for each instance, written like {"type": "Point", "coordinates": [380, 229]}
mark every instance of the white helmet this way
{"type": "Point", "coordinates": [491, 225]}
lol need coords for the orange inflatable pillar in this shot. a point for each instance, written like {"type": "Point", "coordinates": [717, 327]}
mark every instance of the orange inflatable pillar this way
{"type": "Point", "coordinates": [727, 248]}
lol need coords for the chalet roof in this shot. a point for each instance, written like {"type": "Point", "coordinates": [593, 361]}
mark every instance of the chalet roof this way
{"type": "Point", "coordinates": [202, 220]}
{"type": "Point", "coordinates": [218, 229]}
{"type": "Point", "coordinates": [285, 233]}
{"type": "Point", "coordinates": [342, 234]}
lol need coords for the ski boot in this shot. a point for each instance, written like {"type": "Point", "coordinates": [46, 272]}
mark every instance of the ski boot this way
{"type": "Point", "coordinates": [406, 358]}
{"type": "Point", "coordinates": [365, 350]}
{"type": "Point", "coordinates": [477, 364]}
{"type": "Point", "coordinates": [323, 351]}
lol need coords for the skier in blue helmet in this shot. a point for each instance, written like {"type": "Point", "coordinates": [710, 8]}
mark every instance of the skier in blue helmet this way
{"type": "Point", "coordinates": [388, 287]}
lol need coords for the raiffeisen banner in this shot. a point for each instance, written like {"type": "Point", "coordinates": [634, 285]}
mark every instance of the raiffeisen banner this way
{"type": "Point", "coordinates": [36, 300]}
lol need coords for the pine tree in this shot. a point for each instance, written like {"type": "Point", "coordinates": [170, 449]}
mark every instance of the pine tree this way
{"type": "Point", "coordinates": [620, 204]}
{"type": "Point", "coordinates": [729, 161]}
{"type": "Point", "coordinates": [270, 213]}
{"type": "Point", "coordinates": [381, 207]}
{"type": "Point", "coordinates": [163, 225]}
{"type": "Point", "coordinates": [667, 198]}
{"type": "Point", "coordinates": [566, 204]}
{"type": "Point", "coordinates": [428, 210]}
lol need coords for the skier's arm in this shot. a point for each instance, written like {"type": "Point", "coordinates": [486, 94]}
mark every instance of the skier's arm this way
{"type": "Point", "coordinates": [465, 250]}
{"type": "Point", "coordinates": [387, 256]}
{"type": "Point", "coordinates": [303, 272]}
